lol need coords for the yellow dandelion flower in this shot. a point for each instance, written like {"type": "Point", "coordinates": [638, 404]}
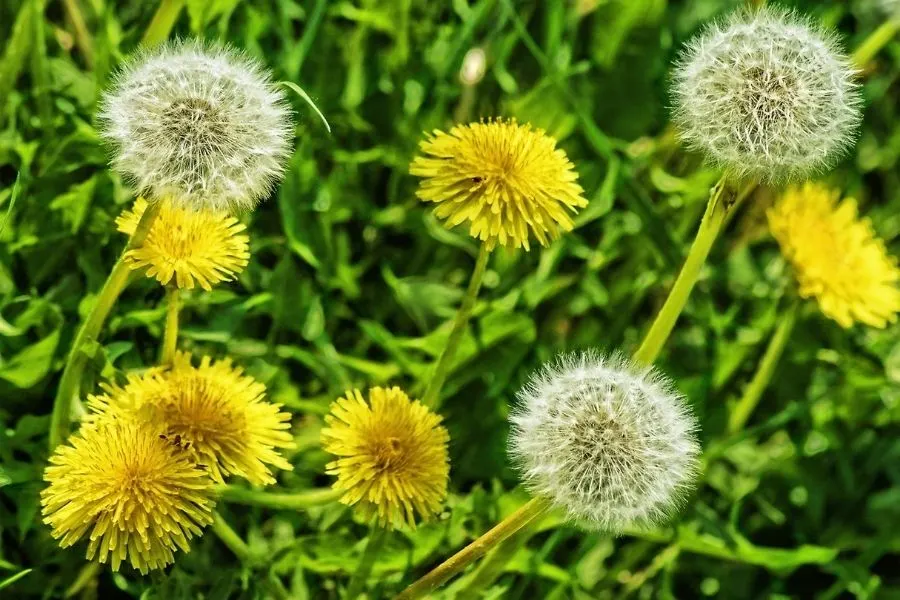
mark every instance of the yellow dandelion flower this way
{"type": "Point", "coordinates": [214, 411]}
{"type": "Point", "coordinates": [392, 455]}
{"type": "Point", "coordinates": [504, 178]}
{"type": "Point", "coordinates": [187, 245]}
{"type": "Point", "coordinates": [837, 257]}
{"type": "Point", "coordinates": [138, 497]}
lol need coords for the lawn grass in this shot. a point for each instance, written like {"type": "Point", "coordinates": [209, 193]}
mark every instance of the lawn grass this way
{"type": "Point", "coordinates": [353, 282]}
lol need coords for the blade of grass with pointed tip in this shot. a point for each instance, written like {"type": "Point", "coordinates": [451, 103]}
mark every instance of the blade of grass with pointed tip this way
{"type": "Point", "coordinates": [11, 580]}
{"type": "Point", "coordinates": [299, 91]}
{"type": "Point", "coordinates": [12, 203]}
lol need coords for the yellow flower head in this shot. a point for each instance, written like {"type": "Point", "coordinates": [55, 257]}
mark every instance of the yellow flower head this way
{"type": "Point", "coordinates": [392, 455]}
{"type": "Point", "coordinates": [138, 497]}
{"type": "Point", "coordinates": [504, 178]}
{"type": "Point", "coordinates": [213, 411]}
{"type": "Point", "coordinates": [836, 256]}
{"type": "Point", "coordinates": [187, 245]}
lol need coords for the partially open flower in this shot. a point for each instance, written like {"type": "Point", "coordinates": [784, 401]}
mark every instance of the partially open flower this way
{"type": "Point", "coordinates": [837, 257]}
{"type": "Point", "coordinates": [201, 124]}
{"type": "Point", "coordinates": [216, 413]}
{"type": "Point", "coordinates": [187, 245]}
{"type": "Point", "coordinates": [507, 180]}
{"type": "Point", "coordinates": [766, 94]}
{"type": "Point", "coordinates": [392, 455]}
{"type": "Point", "coordinates": [138, 497]}
{"type": "Point", "coordinates": [611, 444]}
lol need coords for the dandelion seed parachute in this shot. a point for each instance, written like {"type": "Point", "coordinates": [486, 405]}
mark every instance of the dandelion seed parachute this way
{"type": "Point", "coordinates": [507, 180]}
{"type": "Point", "coordinates": [199, 123]}
{"type": "Point", "coordinates": [611, 444]}
{"type": "Point", "coordinates": [218, 414]}
{"type": "Point", "coordinates": [767, 95]}
{"type": "Point", "coordinates": [392, 455]}
{"type": "Point", "coordinates": [188, 246]}
{"type": "Point", "coordinates": [138, 497]}
{"type": "Point", "coordinates": [837, 257]}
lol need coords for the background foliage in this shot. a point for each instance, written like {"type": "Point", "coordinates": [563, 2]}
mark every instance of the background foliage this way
{"type": "Point", "coordinates": [352, 283]}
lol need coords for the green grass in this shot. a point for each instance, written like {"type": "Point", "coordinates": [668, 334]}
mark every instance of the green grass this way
{"type": "Point", "coordinates": [353, 282]}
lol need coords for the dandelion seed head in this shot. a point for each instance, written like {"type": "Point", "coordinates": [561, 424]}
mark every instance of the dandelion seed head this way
{"type": "Point", "coordinates": [507, 180]}
{"type": "Point", "coordinates": [611, 444]}
{"type": "Point", "coordinates": [392, 461]}
{"type": "Point", "coordinates": [837, 257]}
{"type": "Point", "coordinates": [199, 123]}
{"type": "Point", "coordinates": [766, 94]}
{"type": "Point", "coordinates": [136, 496]}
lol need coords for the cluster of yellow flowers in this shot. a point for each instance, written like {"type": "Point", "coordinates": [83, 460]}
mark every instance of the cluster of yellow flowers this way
{"type": "Point", "coordinates": [138, 476]}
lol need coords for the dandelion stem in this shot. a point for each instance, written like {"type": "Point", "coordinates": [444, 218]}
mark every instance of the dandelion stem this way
{"type": "Point", "coordinates": [70, 382]}
{"type": "Point", "coordinates": [492, 566]}
{"type": "Point", "coordinates": [170, 336]}
{"type": "Point", "coordinates": [741, 411]}
{"type": "Point", "coordinates": [242, 551]}
{"type": "Point", "coordinates": [231, 539]}
{"type": "Point", "coordinates": [280, 501]}
{"type": "Point", "coordinates": [875, 41]}
{"type": "Point", "coordinates": [377, 537]}
{"type": "Point", "coordinates": [431, 398]}
{"type": "Point", "coordinates": [717, 210]}
{"type": "Point", "coordinates": [82, 36]}
{"type": "Point", "coordinates": [162, 23]}
{"type": "Point", "coordinates": [459, 561]}
{"type": "Point", "coordinates": [87, 577]}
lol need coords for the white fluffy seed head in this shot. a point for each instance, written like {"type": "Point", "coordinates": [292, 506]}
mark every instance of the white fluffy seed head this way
{"type": "Point", "coordinates": [766, 94]}
{"type": "Point", "coordinates": [611, 444]}
{"type": "Point", "coordinates": [199, 123]}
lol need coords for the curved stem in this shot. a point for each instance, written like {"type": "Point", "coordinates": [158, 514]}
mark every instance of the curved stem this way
{"type": "Point", "coordinates": [741, 411]}
{"type": "Point", "coordinates": [70, 382]}
{"type": "Point", "coordinates": [717, 209]}
{"type": "Point", "coordinates": [875, 41]}
{"type": "Point", "coordinates": [366, 562]}
{"type": "Point", "coordinates": [170, 336]}
{"type": "Point", "coordinates": [462, 559]}
{"type": "Point", "coordinates": [162, 23]}
{"type": "Point", "coordinates": [231, 539]}
{"type": "Point", "coordinates": [431, 398]}
{"type": "Point", "coordinates": [282, 501]}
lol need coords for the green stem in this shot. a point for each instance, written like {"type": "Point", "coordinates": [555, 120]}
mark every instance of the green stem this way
{"type": "Point", "coordinates": [231, 539]}
{"type": "Point", "coordinates": [295, 501]}
{"type": "Point", "coordinates": [170, 336]}
{"type": "Point", "coordinates": [358, 580]}
{"type": "Point", "coordinates": [70, 382]}
{"type": "Point", "coordinates": [741, 411]}
{"type": "Point", "coordinates": [163, 21]}
{"type": "Point", "coordinates": [493, 564]}
{"type": "Point", "coordinates": [242, 551]}
{"type": "Point", "coordinates": [717, 210]}
{"type": "Point", "coordinates": [86, 579]}
{"type": "Point", "coordinates": [459, 561]}
{"type": "Point", "coordinates": [876, 40]}
{"type": "Point", "coordinates": [431, 398]}
{"type": "Point", "coordinates": [82, 35]}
